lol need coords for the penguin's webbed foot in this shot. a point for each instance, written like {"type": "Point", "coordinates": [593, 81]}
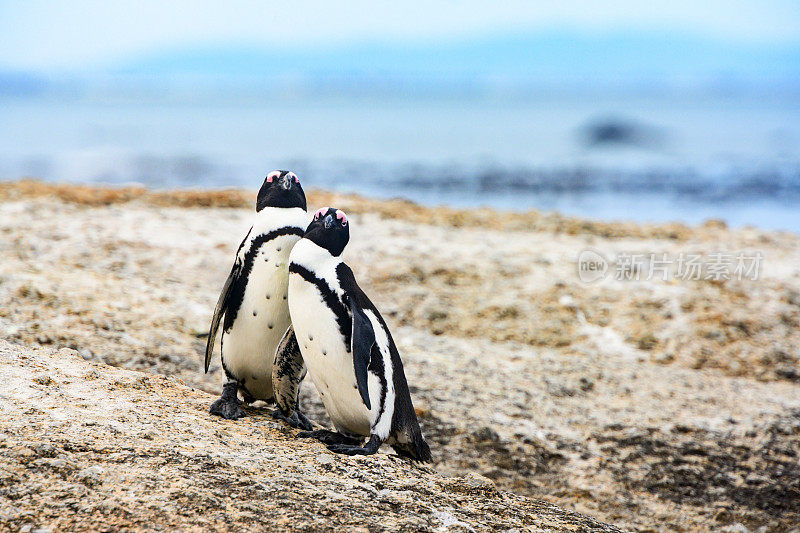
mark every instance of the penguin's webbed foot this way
{"type": "Point", "coordinates": [228, 404]}
{"type": "Point", "coordinates": [349, 449]}
{"type": "Point", "coordinates": [227, 408]}
{"type": "Point", "coordinates": [328, 437]}
{"type": "Point", "coordinates": [296, 420]}
{"type": "Point", "coordinates": [304, 422]}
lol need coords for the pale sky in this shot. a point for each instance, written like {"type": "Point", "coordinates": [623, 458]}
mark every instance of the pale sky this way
{"type": "Point", "coordinates": [79, 33]}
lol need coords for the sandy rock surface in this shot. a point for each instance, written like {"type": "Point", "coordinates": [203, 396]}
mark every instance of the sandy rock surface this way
{"type": "Point", "coordinates": [85, 446]}
{"type": "Point", "coordinates": [652, 405]}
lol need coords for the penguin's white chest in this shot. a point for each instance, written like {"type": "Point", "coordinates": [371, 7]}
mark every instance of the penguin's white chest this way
{"type": "Point", "coordinates": [248, 347]}
{"type": "Point", "coordinates": [327, 358]}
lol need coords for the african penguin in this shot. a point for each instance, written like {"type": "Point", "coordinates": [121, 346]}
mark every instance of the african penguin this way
{"type": "Point", "coordinates": [347, 348]}
{"type": "Point", "coordinates": [253, 306]}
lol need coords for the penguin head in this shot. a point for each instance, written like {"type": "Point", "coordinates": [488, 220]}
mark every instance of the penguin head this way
{"type": "Point", "coordinates": [281, 188]}
{"type": "Point", "coordinates": [329, 230]}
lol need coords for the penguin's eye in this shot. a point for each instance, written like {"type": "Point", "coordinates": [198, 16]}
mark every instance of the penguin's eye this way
{"type": "Point", "coordinates": [341, 217]}
{"type": "Point", "coordinates": [321, 211]}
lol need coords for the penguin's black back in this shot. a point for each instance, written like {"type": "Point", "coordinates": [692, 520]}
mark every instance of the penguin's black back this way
{"type": "Point", "coordinates": [404, 418]}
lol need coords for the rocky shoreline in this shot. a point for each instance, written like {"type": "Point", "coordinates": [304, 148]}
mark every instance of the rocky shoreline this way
{"type": "Point", "coordinates": [649, 404]}
{"type": "Point", "coordinates": [90, 447]}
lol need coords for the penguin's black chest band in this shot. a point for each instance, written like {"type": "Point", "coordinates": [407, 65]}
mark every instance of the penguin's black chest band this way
{"type": "Point", "coordinates": [331, 299]}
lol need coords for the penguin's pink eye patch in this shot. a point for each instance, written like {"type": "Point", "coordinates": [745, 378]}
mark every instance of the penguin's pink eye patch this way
{"type": "Point", "coordinates": [341, 217]}
{"type": "Point", "coordinates": [296, 179]}
{"type": "Point", "coordinates": [270, 178]}
{"type": "Point", "coordinates": [321, 211]}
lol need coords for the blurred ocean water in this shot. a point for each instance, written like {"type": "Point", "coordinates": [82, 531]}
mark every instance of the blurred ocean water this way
{"type": "Point", "coordinates": [653, 157]}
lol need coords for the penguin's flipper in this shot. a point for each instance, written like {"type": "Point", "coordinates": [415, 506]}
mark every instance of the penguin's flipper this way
{"type": "Point", "coordinates": [219, 310]}
{"type": "Point", "coordinates": [363, 335]}
{"type": "Point", "coordinates": [287, 373]}
{"type": "Point", "coordinates": [363, 339]}
{"type": "Point", "coordinates": [224, 299]}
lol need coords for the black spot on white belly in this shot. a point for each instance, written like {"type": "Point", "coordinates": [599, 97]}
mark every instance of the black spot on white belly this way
{"type": "Point", "coordinates": [310, 337]}
{"type": "Point", "coordinates": [284, 296]}
{"type": "Point", "coordinates": [324, 351]}
{"type": "Point", "coordinates": [268, 296]}
{"type": "Point", "coordinates": [270, 325]}
{"type": "Point", "coordinates": [255, 312]}
{"type": "Point", "coordinates": [278, 249]}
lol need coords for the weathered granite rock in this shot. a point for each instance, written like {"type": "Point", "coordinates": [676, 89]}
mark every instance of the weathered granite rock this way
{"type": "Point", "coordinates": [654, 405]}
{"type": "Point", "coordinates": [85, 446]}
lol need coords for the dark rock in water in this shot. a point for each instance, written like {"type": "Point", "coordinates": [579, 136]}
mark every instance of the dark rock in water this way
{"type": "Point", "coordinates": [620, 131]}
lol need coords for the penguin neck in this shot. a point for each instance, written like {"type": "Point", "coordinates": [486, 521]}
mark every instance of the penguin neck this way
{"type": "Point", "coordinates": [272, 218]}
{"type": "Point", "coordinates": [315, 258]}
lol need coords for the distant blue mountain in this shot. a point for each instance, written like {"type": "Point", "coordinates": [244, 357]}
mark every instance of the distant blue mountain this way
{"type": "Point", "coordinates": [621, 60]}
{"type": "Point", "coordinates": [15, 83]}
{"type": "Point", "coordinates": [562, 57]}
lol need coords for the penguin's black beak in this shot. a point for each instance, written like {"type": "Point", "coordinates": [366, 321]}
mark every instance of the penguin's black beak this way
{"type": "Point", "coordinates": [328, 221]}
{"type": "Point", "coordinates": [285, 182]}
